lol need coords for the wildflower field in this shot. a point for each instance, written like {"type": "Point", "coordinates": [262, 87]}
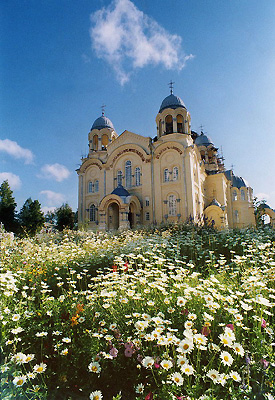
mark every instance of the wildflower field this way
{"type": "Point", "coordinates": [175, 313]}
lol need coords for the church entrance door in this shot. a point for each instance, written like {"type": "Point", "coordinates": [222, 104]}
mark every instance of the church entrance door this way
{"type": "Point", "coordinates": [113, 217]}
{"type": "Point", "coordinates": [131, 215]}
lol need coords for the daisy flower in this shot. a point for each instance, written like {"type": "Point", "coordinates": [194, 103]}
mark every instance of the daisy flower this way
{"type": "Point", "coordinates": [187, 369]}
{"type": "Point", "coordinates": [166, 364]}
{"type": "Point", "coordinates": [140, 388]}
{"type": "Point", "coordinates": [186, 346]}
{"type": "Point", "coordinates": [148, 362]}
{"type": "Point", "coordinates": [39, 368]}
{"type": "Point", "coordinates": [19, 380]}
{"type": "Point", "coordinates": [238, 348]}
{"type": "Point", "coordinates": [94, 367]}
{"type": "Point", "coordinates": [235, 376]}
{"type": "Point", "coordinates": [96, 395]}
{"type": "Point", "coordinates": [177, 378]}
{"type": "Point", "coordinates": [213, 374]}
{"type": "Point", "coordinates": [227, 359]}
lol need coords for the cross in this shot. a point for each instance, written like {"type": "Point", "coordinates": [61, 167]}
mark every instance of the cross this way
{"type": "Point", "coordinates": [103, 109]}
{"type": "Point", "coordinates": [171, 83]}
{"type": "Point", "coordinates": [201, 127]}
{"type": "Point", "coordinates": [232, 166]}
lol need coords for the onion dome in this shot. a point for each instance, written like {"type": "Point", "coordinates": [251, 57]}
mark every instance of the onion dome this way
{"type": "Point", "coordinates": [203, 140]}
{"type": "Point", "coordinates": [172, 101]}
{"type": "Point", "coordinates": [239, 182]}
{"type": "Point", "coordinates": [102, 122]}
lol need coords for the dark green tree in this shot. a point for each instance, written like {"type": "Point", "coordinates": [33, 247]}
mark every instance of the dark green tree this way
{"type": "Point", "coordinates": [64, 217]}
{"type": "Point", "coordinates": [31, 218]}
{"type": "Point", "coordinates": [7, 208]}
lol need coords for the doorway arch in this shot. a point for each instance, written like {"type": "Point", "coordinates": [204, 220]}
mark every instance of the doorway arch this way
{"type": "Point", "coordinates": [113, 217]}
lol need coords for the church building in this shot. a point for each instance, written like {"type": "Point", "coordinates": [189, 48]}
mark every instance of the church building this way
{"type": "Point", "coordinates": [129, 180]}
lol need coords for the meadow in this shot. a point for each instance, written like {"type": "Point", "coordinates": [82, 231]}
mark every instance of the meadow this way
{"type": "Point", "coordinates": [173, 313]}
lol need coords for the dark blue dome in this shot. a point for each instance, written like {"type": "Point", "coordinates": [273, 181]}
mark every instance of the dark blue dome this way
{"type": "Point", "coordinates": [203, 140]}
{"type": "Point", "coordinates": [171, 101]}
{"type": "Point", "coordinates": [239, 182]}
{"type": "Point", "coordinates": [102, 122]}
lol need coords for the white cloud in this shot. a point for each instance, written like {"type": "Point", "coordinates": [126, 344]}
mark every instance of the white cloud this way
{"type": "Point", "coordinates": [13, 149]}
{"type": "Point", "coordinates": [56, 171]}
{"type": "Point", "coordinates": [122, 34]}
{"type": "Point", "coordinates": [47, 209]}
{"type": "Point", "coordinates": [262, 196]}
{"type": "Point", "coordinates": [14, 180]}
{"type": "Point", "coordinates": [53, 198]}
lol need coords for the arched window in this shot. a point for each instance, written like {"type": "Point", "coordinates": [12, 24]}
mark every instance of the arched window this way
{"type": "Point", "coordinates": [90, 187]}
{"type": "Point", "coordinates": [175, 173]}
{"type": "Point", "coordinates": [242, 194]}
{"type": "Point", "coordinates": [160, 130]}
{"type": "Point", "coordinates": [92, 213]}
{"type": "Point", "coordinates": [166, 175]}
{"type": "Point", "coordinates": [95, 142]}
{"type": "Point", "coordinates": [234, 195]}
{"type": "Point", "coordinates": [128, 174]}
{"type": "Point", "coordinates": [236, 215]}
{"type": "Point", "coordinates": [180, 123]}
{"type": "Point", "coordinates": [96, 186]}
{"type": "Point", "coordinates": [119, 178]}
{"type": "Point", "coordinates": [169, 124]}
{"type": "Point", "coordinates": [172, 205]}
{"type": "Point", "coordinates": [104, 141]}
{"type": "Point", "coordinates": [137, 176]}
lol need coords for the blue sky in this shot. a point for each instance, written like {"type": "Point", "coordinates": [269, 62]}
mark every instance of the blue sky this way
{"type": "Point", "coordinates": [61, 60]}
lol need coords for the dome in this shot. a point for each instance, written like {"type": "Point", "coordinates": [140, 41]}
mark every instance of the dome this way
{"type": "Point", "coordinates": [203, 140]}
{"type": "Point", "coordinates": [171, 101]}
{"type": "Point", "coordinates": [239, 182]}
{"type": "Point", "coordinates": [102, 122]}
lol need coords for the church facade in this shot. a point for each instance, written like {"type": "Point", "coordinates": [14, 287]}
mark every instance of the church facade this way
{"type": "Point", "coordinates": [128, 181]}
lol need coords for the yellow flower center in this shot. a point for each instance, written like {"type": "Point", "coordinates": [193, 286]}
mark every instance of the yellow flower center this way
{"type": "Point", "coordinates": [20, 382]}
{"type": "Point", "coordinates": [186, 346]}
{"type": "Point", "coordinates": [226, 358]}
{"type": "Point", "coordinates": [94, 368]}
{"type": "Point", "coordinates": [39, 369]}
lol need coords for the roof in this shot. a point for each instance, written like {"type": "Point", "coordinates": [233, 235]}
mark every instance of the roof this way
{"type": "Point", "coordinates": [171, 101]}
{"type": "Point", "coordinates": [120, 191]}
{"type": "Point", "coordinates": [203, 140]}
{"type": "Point", "coordinates": [102, 122]}
{"type": "Point", "coordinates": [239, 182]}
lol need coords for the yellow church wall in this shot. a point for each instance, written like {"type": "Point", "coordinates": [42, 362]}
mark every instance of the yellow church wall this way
{"type": "Point", "coordinates": [187, 188]}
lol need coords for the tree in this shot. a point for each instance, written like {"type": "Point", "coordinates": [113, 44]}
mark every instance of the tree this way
{"type": "Point", "coordinates": [50, 217]}
{"type": "Point", "coordinates": [259, 206]}
{"type": "Point", "coordinates": [7, 208]}
{"type": "Point", "coordinates": [31, 218]}
{"type": "Point", "coordinates": [64, 217]}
